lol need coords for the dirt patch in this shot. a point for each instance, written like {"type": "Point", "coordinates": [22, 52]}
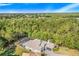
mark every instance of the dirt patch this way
{"type": "Point", "coordinates": [67, 51]}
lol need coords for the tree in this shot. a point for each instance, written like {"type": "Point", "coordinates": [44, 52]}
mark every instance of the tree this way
{"type": "Point", "coordinates": [2, 42]}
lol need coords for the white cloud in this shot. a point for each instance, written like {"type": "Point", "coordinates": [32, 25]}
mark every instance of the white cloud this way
{"type": "Point", "coordinates": [25, 11]}
{"type": "Point", "coordinates": [4, 4]}
{"type": "Point", "coordinates": [67, 8]}
{"type": "Point", "coordinates": [8, 11]}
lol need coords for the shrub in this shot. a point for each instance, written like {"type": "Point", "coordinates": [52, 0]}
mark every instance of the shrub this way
{"type": "Point", "coordinates": [19, 50]}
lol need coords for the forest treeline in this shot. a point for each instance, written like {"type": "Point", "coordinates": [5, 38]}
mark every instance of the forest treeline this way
{"type": "Point", "coordinates": [61, 29]}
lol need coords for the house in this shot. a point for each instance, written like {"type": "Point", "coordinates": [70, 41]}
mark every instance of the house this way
{"type": "Point", "coordinates": [36, 45]}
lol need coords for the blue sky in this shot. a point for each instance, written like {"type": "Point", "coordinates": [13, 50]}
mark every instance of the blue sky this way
{"type": "Point", "coordinates": [38, 7]}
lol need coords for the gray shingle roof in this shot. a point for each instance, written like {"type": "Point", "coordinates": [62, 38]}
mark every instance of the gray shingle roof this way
{"type": "Point", "coordinates": [35, 44]}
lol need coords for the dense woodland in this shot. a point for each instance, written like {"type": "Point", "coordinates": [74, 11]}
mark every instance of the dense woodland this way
{"type": "Point", "coordinates": [61, 29]}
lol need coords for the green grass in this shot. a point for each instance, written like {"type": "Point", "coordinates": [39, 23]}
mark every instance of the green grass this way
{"type": "Point", "coordinates": [7, 52]}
